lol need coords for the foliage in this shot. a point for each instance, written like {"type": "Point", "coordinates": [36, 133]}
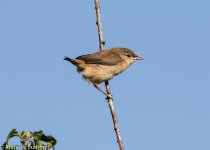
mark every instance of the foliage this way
{"type": "Point", "coordinates": [30, 140]}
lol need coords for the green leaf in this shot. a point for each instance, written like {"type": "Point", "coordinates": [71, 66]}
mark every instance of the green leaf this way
{"type": "Point", "coordinates": [12, 133]}
{"type": "Point", "coordinates": [25, 135]}
{"type": "Point", "coordinates": [40, 136]}
{"type": "Point", "coordinates": [49, 139]}
{"type": "Point", "coordinates": [37, 135]}
{"type": "Point", "coordinates": [38, 144]}
{"type": "Point", "coordinates": [35, 140]}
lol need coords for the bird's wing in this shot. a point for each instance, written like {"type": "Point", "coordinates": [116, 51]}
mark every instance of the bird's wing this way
{"type": "Point", "coordinates": [101, 58]}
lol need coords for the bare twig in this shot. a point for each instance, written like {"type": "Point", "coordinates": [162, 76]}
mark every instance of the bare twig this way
{"type": "Point", "coordinates": [110, 100]}
{"type": "Point", "coordinates": [99, 24]}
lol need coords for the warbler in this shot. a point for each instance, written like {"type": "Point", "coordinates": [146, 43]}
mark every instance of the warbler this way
{"type": "Point", "coordinates": [103, 65]}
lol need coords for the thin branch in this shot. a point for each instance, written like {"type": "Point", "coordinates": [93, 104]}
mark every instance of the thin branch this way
{"type": "Point", "coordinates": [110, 100]}
{"type": "Point", "coordinates": [99, 24]}
{"type": "Point", "coordinates": [114, 118]}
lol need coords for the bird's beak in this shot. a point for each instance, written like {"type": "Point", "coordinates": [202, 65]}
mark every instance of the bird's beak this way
{"type": "Point", "coordinates": [138, 58]}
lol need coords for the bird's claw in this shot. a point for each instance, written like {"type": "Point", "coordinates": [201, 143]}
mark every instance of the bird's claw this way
{"type": "Point", "coordinates": [109, 96]}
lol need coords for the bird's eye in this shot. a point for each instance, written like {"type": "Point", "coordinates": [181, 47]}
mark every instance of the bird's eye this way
{"type": "Point", "coordinates": [128, 55]}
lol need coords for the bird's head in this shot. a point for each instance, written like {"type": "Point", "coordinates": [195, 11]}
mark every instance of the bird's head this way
{"type": "Point", "coordinates": [129, 55]}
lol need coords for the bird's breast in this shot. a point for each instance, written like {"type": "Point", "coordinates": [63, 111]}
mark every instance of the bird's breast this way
{"type": "Point", "coordinates": [121, 67]}
{"type": "Point", "coordinates": [96, 73]}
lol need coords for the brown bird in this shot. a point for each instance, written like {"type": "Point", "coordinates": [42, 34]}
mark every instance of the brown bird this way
{"type": "Point", "coordinates": [104, 65]}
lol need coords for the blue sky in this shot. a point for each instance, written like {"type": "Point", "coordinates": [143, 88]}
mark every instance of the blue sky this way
{"type": "Point", "coordinates": [162, 102]}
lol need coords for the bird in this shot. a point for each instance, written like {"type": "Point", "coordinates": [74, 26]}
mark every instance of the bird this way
{"type": "Point", "coordinates": [104, 65]}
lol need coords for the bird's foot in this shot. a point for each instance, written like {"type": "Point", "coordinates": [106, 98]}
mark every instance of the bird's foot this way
{"type": "Point", "coordinates": [109, 96]}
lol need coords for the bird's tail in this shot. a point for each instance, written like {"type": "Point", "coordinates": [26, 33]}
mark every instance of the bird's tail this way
{"type": "Point", "coordinates": [73, 61]}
